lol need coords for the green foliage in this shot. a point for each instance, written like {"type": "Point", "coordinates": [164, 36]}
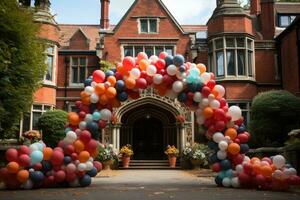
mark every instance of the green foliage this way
{"type": "Point", "coordinates": [105, 65]}
{"type": "Point", "coordinates": [52, 125]}
{"type": "Point", "coordinates": [274, 115]}
{"type": "Point", "coordinates": [22, 64]}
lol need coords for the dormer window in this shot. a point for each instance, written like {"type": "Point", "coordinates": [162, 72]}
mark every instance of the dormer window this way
{"type": "Point", "coordinates": [148, 25]}
{"type": "Point", "coordinates": [285, 20]}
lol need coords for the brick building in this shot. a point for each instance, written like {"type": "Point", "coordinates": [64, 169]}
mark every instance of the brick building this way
{"type": "Point", "coordinates": [248, 50]}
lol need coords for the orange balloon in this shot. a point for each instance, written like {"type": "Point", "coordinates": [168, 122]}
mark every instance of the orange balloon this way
{"type": "Point", "coordinates": [234, 148]}
{"type": "Point", "coordinates": [12, 167]}
{"type": "Point", "coordinates": [273, 167]}
{"type": "Point", "coordinates": [79, 146]}
{"type": "Point", "coordinates": [100, 88]}
{"type": "Point", "coordinates": [23, 176]}
{"type": "Point", "coordinates": [86, 100]}
{"type": "Point", "coordinates": [231, 132]}
{"type": "Point", "coordinates": [256, 168]}
{"type": "Point", "coordinates": [201, 67]}
{"type": "Point", "coordinates": [208, 112]}
{"type": "Point", "coordinates": [103, 100]}
{"type": "Point", "coordinates": [266, 171]}
{"type": "Point", "coordinates": [84, 94]}
{"type": "Point", "coordinates": [112, 80]}
{"type": "Point", "coordinates": [215, 93]}
{"type": "Point", "coordinates": [47, 151]}
{"type": "Point", "coordinates": [143, 64]}
{"type": "Point", "coordinates": [122, 70]}
{"type": "Point", "coordinates": [111, 92]}
{"type": "Point", "coordinates": [73, 118]}
{"type": "Point", "coordinates": [83, 156]}
{"type": "Point", "coordinates": [254, 160]}
{"type": "Point", "coordinates": [95, 153]}
{"type": "Point", "coordinates": [130, 83]}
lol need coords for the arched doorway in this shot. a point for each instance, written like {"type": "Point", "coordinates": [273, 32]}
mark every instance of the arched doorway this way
{"type": "Point", "coordinates": [149, 129]}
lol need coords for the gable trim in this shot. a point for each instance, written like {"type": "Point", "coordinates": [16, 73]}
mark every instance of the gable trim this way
{"type": "Point", "coordinates": [83, 33]}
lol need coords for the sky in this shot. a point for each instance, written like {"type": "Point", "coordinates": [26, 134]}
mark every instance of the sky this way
{"type": "Point", "coordinates": [88, 11]}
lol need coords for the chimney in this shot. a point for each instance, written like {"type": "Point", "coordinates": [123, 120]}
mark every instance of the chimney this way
{"type": "Point", "coordinates": [255, 7]}
{"type": "Point", "coordinates": [104, 21]}
{"type": "Point", "coordinates": [267, 18]}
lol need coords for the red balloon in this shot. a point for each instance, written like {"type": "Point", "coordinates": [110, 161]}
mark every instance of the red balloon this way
{"type": "Point", "coordinates": [82, 114]}
{"type": "Point", "coordinates": [69, 149]}
{"type": "Point", "coordinates": [59, 176]}
{"type": "Point", "coordinates": [149, 80]}
{"type": "Point", "coordinates": [220, 125]}
{"type": "Point", "coordinates": [49, 181]}
{"type": "Point", "coordinates": [11, 155]}
{"type": "Point", "coordinates": [102, 124]}
{"type": "Point", "coordinates": [91, 146]}
{"type": "Point", "coordinates": [24, 150]}
{"type": "Point", "coordinates": [243, 138]}
{"type": "Point", "coordinates": [98, 76]}
{"type": "Point", "coordinates": [206, 91]}
{"type": "Point", "coordinates": [222, 102]}
{"type": "Point", "coordinates": [211, 84]}
{"type": "Point", "coordinates": [118, 76]}
{"type": "Point", "coordinates": [238, 159]}
{"type": "Point", "coordinates": [219, 114]}
{"type": "Point", "coordinates": [98, 165]}
{"type": "Point", "coordinates": [84, 108]}
{"type": "Point", "coordinates": [294, 180]}
{"type": "Point", "coordinates": [248, 168]}
{"type": "Point", "coordinates": [216, 167]}
{"type": "Point", "coordinates": [3, 174]}
{"type": "Point", "coordinates": [85, 136]}
{"type": "Point", "coordinates": [58, 149]}
{"type": "Point", "coordinates": [71, 177]}
{"type": "Point", "coordinates": [244, 179]}
{"type": "Point", "coordinates": [74, 156]}
{"type": "Point", "coordinates": [57, 157]}
{"type": "Point", "coordinates": [167, 80]}
{"type": "Point", "coordinates": [141, 83]}
{"type": "Point", "coordinates": [160, 64]}
{"type": "Point", "coordinates": [24, 160]}
{"type": "Point", "coordinates": [128, 63]}
{"type": "Point", "coordinates": [37, 166]}
{"type": "Point", "coordinates": [260, 181]}
{"type": "Point", "coordinates": [163, 55]}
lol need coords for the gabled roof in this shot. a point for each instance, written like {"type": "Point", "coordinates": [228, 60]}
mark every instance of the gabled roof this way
{"type": "Point", "coordinates": [161, 4]}
{"type": "Point", "coordinates": [287, 7]}
{"type": "Point", "coordinates": [80, 31]}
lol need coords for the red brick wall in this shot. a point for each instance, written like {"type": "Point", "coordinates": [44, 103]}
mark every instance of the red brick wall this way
{"type": "Point", "coordinates": [129, 28]}
{"type": "Point", "coordinates": [290, 65]}
{"type": "Point", "coordinates": [265, 66]}
{"type": "Point", "coordinates": [267, 19]}
{"type": "Point", "coordinates": [240, 91]}
{"type": "Point", "coordinates": [79, 42]}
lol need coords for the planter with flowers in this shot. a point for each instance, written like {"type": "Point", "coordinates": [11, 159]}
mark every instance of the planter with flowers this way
{"type": "Point", "coordinates": [172, 152]}
{"type": "Point", "coordinates": [106, 155]}
{"type": "Point", "coordinates": [125, 153]}
{"type": "Point", "coordinates": [31, 137]}
{"type": "Point", "coordinates": [199, 155]}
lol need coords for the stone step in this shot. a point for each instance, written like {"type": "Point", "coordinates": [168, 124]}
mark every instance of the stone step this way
{"type": "Point", "coordinates": [149, 164]}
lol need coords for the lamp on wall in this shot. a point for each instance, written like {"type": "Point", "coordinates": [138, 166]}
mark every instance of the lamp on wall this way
{"type": "Point", "coordinates": [148, 116]}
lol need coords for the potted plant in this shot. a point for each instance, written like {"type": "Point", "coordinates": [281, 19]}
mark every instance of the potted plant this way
{"type": "Point", "coordinates": [186, 157]}
{"type": "Point", "coordinates": [125, 153]}
{"type": "Point", "coordinates": [106, 155]}
{"type": "Point", "coordinates": [200, 154]}
{"type": "Point", "coordinates": [172, 154]}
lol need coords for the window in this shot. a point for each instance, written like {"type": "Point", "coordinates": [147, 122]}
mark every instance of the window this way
{"type": "Point", "coordinates": [78, 69]}
{"type": "Point", "coordinates": [148, 26]}
{"type": "Point", "coordinates": [149, 50]}
{"type": "Point", "coordinates": [245, 107]}
{"type": "Point", "coordinates": [285, 20]}
{"type": "Point", "coordinates": [50, 62]}
{"type": "Point", "coordinates": [30, 119]}
{"type": "Point", "coordinates": [231, 57]}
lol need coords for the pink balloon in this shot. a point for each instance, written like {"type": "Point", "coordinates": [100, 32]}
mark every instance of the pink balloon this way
{"type": "Point", "coordinates": [57, 157]}
{"type": "Point", "coordinates": [11, 155]}
{"type": "Point", "coordinates": [59, 176]}
{"type": "Point", "coordinates": [74, 156]}
{"type": "Point", "coordinates": [69, 149]}
{"type": "Point", "coordinates": [163, 55]}
{"type": "Point", "coordinates": [24, 150]}
{"type": "Point", "coordinates": [24, 160]}
{"type": "Point", "coordinates": [98, 165]}
{"type": "Point", "coordinates": [91, 146]}
{"type": "Point", "coordinates": [70, 168]}
{"type": "Point", "coordinates": [85, 136]}
{"type": "Point", "coordinates": [98, 76]}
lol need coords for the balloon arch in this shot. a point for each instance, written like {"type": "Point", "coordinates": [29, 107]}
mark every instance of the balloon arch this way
{"type": "Point", "coordinates": [72, 163]}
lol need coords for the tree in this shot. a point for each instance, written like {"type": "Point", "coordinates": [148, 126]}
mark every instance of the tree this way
{"type": "Point", "coordinates": [274, 115]}
{"type": "Point", "coordinates": [22, 64]}
{"type": "Point", "coordinates": [52, 124]}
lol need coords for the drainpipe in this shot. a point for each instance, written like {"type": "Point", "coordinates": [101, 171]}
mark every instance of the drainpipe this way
{"type": "Point", "coordinates": [67, 62]}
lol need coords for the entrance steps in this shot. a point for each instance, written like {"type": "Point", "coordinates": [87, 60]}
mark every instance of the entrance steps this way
{"type": "Point", "coordinates": [150, 164]}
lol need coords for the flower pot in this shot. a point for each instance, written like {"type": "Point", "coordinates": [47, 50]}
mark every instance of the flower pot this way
{"type": "Point", "coordinates": [172, 161]}
{"type": "Point", "coordinates": [107, 164]}
{"type": "Point", "coordinates": [125, 161]}
{"type": "Point", "coordinates": [196, 163]}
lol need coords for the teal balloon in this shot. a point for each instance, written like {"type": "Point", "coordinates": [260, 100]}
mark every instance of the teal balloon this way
{"type": "Point", "coordinates": [96, 116]}
{"type": "Point", "coordinates": [68, 129]}
{"type": "Point", "coordinates": [229, 173]}
{"type": "Point", "coordinates": [194, 72]}
{"type": "Point", "coordinates": [36, 157]}
{"type": "Point", "coordinates": [222, 174]}
{"type": "Point", "coordinates": [39, 146]}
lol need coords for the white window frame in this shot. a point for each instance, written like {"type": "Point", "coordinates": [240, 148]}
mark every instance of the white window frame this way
{"type": "Point", "coordinates": [213, 58]}
{"type": "Point", "coordinates": [71, 71]}
{"type": "Point", "coordinates": [148, 24]}
{"type": "Point", "coordinates": [154, 47]}
{"type": "Point", "coordinates": [54, 56]}
{"type": "Point", "coordinates": [32, 110]}
{"type": "Point", "coordinates": [70, 105]}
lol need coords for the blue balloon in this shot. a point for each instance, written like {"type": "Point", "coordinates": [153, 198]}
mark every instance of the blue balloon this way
{"type": "Point", "coordinates": [120, 86]}
{"type": "Point", "coordinates": [96, 116]}
{"type": "Point", "coordinates": [85, 181]}
{"type": "Point", "coordinates": [92, 127]}
{"type": "Point", "coordinates": [114, 70]}
{"type": "Point", "coordinates": [194, 87]}
{"type": "Point", "coordinates": [222, 174]}
{"type": "Point", "coordinates": [88, 82]}
{"type": "Point", "coordinates": [229, 173]}
{"type": "Point", "coordinates": [241, 128]}
{"type": "Point", "coordinates": [213, 158]}
{"type": "Point", "coordinates": [178, 60]}
{"type": "Point", "coordinates": [218, 180]}
{"type": "Point", "coordinates": [123, 96]}
{"type": "Point", "coordinates": [47, 166]}
{"type": "Point", "coordinates": [36, 176]}
{"type": "Point", "coordinates": [92, 172]}
{"type": "Point", "coordinates": [68, 129]}
{"type": "Point", "coordinates": [109, 73]}
{"type": "Point", "coordinates": [212, 145]}
{"type": "Point", "coordinates": [182, 97]}
{"type": "Point", "coordinates": [36, 157]}
{"type": "Point", "coordinates": [169, 60]}
{"type": "Point", "coordinates": [225, 164]}
{"type": "Point", "coordinates": [244, 148]}
{"type": "Point", "coordinates": [67, 160]}
{"type": "Point", "coordinates": [181, 68]}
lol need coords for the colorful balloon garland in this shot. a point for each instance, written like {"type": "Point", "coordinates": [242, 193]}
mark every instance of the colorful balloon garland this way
{"type": "Point", "coordinates": [72, 164]}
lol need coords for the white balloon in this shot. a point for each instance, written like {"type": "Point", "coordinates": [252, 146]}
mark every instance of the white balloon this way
{"type": "Point", "coordinates": [211, 97]}
{"type": "Point", "coordinates": [226, 182]}
{"type": "Point", "coordinates": [197, 97]}
{"type": "Point", "coordinates": [214, 104]}
{"type": "Point", "coordinates": [221, 90]}
{"type": "Point", "coordinates": [81, 167]}
{"type": "Point", "coordinates": [218, 137]}
{"type": "Point", "coordinates": [71, 136]}
{"type": "Point", "coordinates": [221, 155]}
{"type": "Point", "coordinates": [135, 73]}
{"type": "Point", "coordinates": [89, 165]}
{"type": "Point", "coordinates": [278, 174]}
{"type": "Point", "coordinates": [205, 102]}
{"type": "Point", "coordinates": [205, 77]}
{"type": "Point", "coordinates": [177, 86]}
{"type": "Point", "coordinates": [223, 145]}
{"type": "Point", "coordinates": [153, 58]}
{"type": "Point", "coordinates": [93, 84]}
{"type": "Point", "coordinates": [239, 168]}
{"type": "Point", "coordinates": [235, 113]}
{"type": "Point", "coordinates": [157, 79]}
{"type": "Point", "coordinates": [88, 118]}
{"type": "Point", "coordinates": [105, 114]}
{"type": "Point", "coordinates": [151, 70]}
{"type": "Point", "coordinates": [200, 120]}
{"type": "Point", "coordinates": [247, 159]}
{"type": "Point", "coordinates": [279, 161]}
{"type": "Point", "coordinates": [286, 174]}
{"type": "Point", "coordinates": [28, 184]}
{"type": "Point", "coordinates": [235, 182]}
{"type": "Point", "coordinates": [293, 171]}
{"type": "Point", "coordinates": [82, 125]}
{"type": "Point", "coordinates": [171, 70]}
{"type": "Point", "coordinates": [94, 98]}
{"type": "Point", "coordinates": [89, 90]}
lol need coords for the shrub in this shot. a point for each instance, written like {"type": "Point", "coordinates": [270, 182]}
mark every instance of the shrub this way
{"type": "Point", "coordinates": [52, 125]}
{"type": "Point", "coordinates": [274, 115]}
